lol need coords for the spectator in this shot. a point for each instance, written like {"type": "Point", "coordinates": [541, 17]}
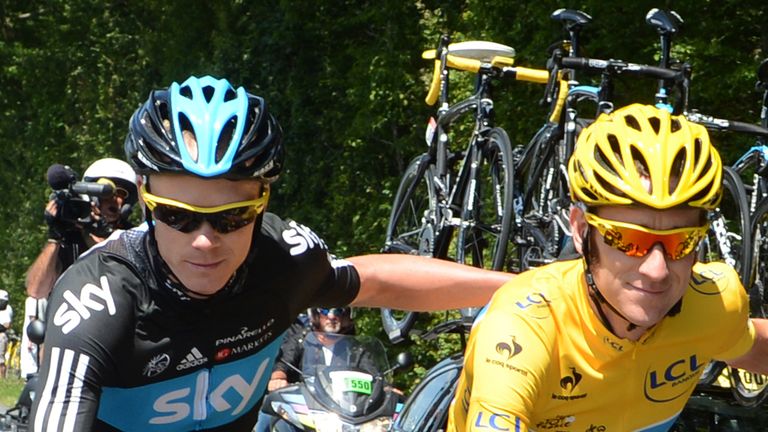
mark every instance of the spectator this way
{"type": "Point", "coordinates": [6, 317]}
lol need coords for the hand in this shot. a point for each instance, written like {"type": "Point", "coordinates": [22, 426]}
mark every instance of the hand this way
{"type": "Point", "coordinates": [276, 383]}
{"type": "Point", "coordinates": [57, 228]}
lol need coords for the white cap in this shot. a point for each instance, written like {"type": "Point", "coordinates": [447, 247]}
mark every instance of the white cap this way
{"type": "Point", "coordinates": [3, 294]}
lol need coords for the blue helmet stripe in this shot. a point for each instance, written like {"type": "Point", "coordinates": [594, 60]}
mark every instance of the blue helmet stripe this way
{"type": "Point", "coordinates": [208, 119]}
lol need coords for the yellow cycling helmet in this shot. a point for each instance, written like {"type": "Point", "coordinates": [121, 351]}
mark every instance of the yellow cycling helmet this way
{"type": "Point", "coordinates": [643, 155]}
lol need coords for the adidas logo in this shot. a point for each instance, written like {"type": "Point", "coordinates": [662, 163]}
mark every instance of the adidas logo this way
{"type": "Point", "coordinates": [193, 358]}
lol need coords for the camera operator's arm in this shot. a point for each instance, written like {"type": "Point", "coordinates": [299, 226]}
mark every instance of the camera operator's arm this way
{"type": "Point", "coordinates": [42, 274]}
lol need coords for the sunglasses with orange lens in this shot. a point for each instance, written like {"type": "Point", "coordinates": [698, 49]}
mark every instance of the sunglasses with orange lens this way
{"type": "Point", "coordinates": [637, 241]}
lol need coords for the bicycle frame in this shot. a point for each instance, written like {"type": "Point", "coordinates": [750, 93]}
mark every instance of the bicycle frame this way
{"type": "Point", "coordinates": [452, 185]}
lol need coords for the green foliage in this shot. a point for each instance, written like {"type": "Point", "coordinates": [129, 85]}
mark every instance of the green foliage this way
{"type": "Point", "coordinates": [345, 79]}
{"type": "Point", "coordinates": [10, 387]}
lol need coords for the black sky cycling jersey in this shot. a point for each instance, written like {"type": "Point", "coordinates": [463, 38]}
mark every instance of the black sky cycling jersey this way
{"type": "Point", "coordinates": [123, 352]}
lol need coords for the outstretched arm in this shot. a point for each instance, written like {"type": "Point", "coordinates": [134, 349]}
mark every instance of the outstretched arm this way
{"type": "Point", "coordinates": [417, 283]}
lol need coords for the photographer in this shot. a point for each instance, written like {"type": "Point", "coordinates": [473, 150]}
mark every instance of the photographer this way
{"type": "Point", "coordinates": [79, 215]}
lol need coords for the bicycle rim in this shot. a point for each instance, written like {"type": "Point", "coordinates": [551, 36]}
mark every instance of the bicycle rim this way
{"type": "Point", "coordinates": [728, 238]}
{"type": "Point", "coordinates": [483, 239]}
{"type": "Point", "coordinates": [759, 271]}
{"type": "Point", "coordinates": [488, 208]}
{"type": "Point", "coordinates": [410, 231]}
{"type": "Point", "coordinates": [543, 227]}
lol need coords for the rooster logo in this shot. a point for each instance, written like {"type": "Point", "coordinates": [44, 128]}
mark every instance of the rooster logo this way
{"type": "Point", "coordinates": [509, 349]}
{"type": "Point", "coordinates": [569, 382]}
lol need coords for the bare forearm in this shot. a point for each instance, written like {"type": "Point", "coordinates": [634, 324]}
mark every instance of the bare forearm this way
{"type": "Point", "coordinates": [755, 360]}
{"type": "Point", "coordinates": [410, 282]}
{"type": "Point", "coordinates": [42, 274]}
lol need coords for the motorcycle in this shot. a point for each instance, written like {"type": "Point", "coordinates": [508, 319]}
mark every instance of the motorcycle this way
{"type": "Point", "coordinates": [351, 394]}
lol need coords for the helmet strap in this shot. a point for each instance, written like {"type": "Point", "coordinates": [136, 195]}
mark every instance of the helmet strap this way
{"type": "Point", "coordinates": [597, 297]}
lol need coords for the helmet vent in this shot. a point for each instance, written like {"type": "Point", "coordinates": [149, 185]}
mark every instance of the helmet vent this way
{"type": "Point", "coordinates": [188, 135]}
{"type": "Point", "coordinates": [229, 95]}
{"type": "Point", "coordinates": [225, 138]}
{"type": "Point", "coordinates": [208, 92]}
{"type": "Point", "coordinates": [615, 146]}
{"type": "Point", "coordinates": [655, 124]}
{"type": "Point", "coordinates": [186, 91]}
{"type": "Point", "coordinates": [674, 125]}
{"type": "Point", "coordinates": [676, 170]}
{"type": "Point", "coordinates": [641, 165]}
{"type": "Point", "coordinates": [604, 184]}
{"type": "Point", "coordinates": [697, 149]}
{"type": "Point", "coordinates": [602, 159]}
{"type": "Point", "coordinates": [632, 122]}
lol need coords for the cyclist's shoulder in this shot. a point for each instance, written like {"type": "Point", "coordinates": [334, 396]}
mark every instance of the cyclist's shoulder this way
{"type": "Point", "coordinates": [550, 280]}
{"type": "Point", "coordinates": [538, 295]}
{"type": "Point", "coordinates": [290, 235]}
{"type": "Point", "coordinates": [110, 269]}
{"type": "Point", "coordinates": [714, 287]}
{"type": "Point", "coordinates": [715, 277]}
{"type": "Point", "coordinates": [125, 244]}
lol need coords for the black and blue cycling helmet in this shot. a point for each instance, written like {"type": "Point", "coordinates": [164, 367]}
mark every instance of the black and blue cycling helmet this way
{"type": "Point", "coordinates": [205, 127]}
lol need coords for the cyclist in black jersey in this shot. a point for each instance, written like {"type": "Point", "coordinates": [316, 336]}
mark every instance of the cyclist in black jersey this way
{"type": "Point", "coordinates": [174, 326]}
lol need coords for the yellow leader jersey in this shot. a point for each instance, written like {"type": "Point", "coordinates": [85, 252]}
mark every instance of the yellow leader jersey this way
{"type": "Point", "coordinates": [540, 359]}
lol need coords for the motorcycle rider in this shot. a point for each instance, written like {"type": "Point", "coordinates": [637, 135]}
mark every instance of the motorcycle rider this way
{"type": "Point", "coordinates": [325, 323]}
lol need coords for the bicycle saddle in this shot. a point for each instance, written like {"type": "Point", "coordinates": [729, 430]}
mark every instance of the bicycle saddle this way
{"type": "Point", "coordinates": [575, 19]}
{"type": "Point", "coordinates": [481, 50]}
{"type": "Point", "coordinates": [665, 23]}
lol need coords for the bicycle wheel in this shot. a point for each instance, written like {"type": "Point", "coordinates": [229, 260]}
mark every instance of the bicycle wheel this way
{"type": "Point", "coordinates": [748, 388]}
{"type": "Point", "coordinates": [482, 239]}
{"type": "Point", "coordinates": [543, 228]}
{"type": "Point", "coordinates": [487, 213]}
{"type": "Point", "coordinates": [729, 236]}
{"type": "Point", "coordinates": [759, 269]}
{"type": "Point", "coordinates": [751, 389]}
{"type": "Point", "coordinates": [411, 230]}
{"type": "Point", "coordinates": [711, 373]}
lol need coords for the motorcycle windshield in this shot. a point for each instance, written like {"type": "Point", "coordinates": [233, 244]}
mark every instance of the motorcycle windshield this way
{"type": "Point", "coordinates": [345, 372]}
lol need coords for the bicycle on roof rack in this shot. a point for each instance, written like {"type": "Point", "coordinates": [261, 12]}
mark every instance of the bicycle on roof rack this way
{"type": "Point", "coordinates": [457, 203]}
{"type": "Point", "coordinates": [541, 211]}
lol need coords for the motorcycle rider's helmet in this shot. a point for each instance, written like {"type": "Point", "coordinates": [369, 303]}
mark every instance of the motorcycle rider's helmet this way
{"type": "Point", "coordinates": [339, 320]}
{"type": "Point", "coordinates": [205, 127]}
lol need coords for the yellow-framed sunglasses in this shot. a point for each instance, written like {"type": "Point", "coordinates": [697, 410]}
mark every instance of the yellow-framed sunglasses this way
{"type": "Point", "coordinates": [637, 241]}
{"type": "Point", "coordinates": [187, 217]}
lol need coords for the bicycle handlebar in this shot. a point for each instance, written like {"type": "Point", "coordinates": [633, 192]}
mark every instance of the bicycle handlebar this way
{"type": "Point", "coordinates": [540, 76]}
{"type": "Point", "coordinates": [618, 67]}
{"type": "Point", "coordinates": [717, 124]}
{"type": "Point", "coordinates": [500, 64]}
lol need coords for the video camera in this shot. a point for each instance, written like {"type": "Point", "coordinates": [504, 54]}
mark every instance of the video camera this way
{"type": "Point", "coordinates": [72, 197]}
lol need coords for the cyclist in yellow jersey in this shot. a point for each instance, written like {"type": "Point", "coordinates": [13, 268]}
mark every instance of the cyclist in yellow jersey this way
{"type": "Point", "coordinates": [615, 341]}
